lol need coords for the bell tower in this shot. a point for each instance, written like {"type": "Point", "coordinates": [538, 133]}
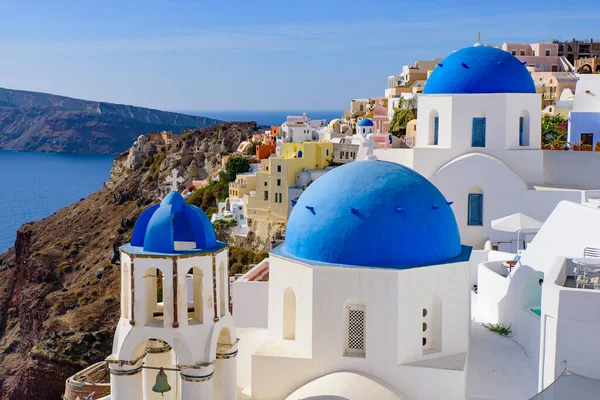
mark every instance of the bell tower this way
{"type": "Point", "coordinates": [176, 336]}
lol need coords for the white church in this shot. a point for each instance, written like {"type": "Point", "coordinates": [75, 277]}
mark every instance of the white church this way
{"type": "Point", "coordinates": [381, 286]}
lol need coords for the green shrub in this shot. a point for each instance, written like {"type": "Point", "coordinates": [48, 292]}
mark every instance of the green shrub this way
{"type": "Point", "coordinates": [500, 329]}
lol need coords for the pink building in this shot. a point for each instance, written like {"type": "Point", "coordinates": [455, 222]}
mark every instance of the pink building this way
{"type": "Point", "coordinates": [541, 56]}
{"type": "Point", "coordinates": [380, 119]}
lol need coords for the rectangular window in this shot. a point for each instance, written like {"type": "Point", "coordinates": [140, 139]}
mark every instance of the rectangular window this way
{"type": "Point", "coordinates": [278, 182]}
{"type": "Point", "coordinates": [265, 183]}
{"type": "Point", "coordinates": [355, 330]}
{"type": "Point", "coordinates": [522, 141]}
{"type": "Point", "coordinates": [522, 52]}
{"type": "Point", "coordinates": [478, 134]}
{"type": "Point", "coordinates": [279, 168]}
{"type": "Point", "coordinates": [436, 129]}
{"type": "Point", "coordinates": [514, 53]}
{"type": "Point", "coordinates": [547, 53]}
{"type": "Point", "coordinates": [475, 209]}
{"type": "Point", "coordinates": [326, 152]}
{"type": "Point", "coordinates": [266, 195]}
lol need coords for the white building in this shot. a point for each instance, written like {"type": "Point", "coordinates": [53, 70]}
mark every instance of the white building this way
{"type": "Point", "coordinates": [373, 281]}
{"type": "Point", "coordinates": [232, 209]}
{"type": "Point", "coordinates": [478, 140]}
{"type": "Point", "coordinates": [302, 129]}
{"type": "Point", "coordinates": [166, 326]}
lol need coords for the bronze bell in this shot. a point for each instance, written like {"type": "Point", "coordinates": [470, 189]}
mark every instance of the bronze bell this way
{"type": "Point", "coordinates": [162, 385]}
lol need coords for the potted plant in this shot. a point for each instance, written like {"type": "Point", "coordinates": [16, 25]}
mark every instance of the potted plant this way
{"type": "Point", "coordinates": [597, 146]}
{"type": "Point", "coordinates": [586, 147]}
{"type": "Point", "coordinates": [575, 146]}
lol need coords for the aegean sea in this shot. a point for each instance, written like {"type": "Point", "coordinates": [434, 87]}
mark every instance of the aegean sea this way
{"type": "Point", "coordinates": [35, 185]}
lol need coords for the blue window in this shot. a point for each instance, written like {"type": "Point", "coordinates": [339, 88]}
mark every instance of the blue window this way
{"type": "Point", "coordinates": [279, 168]}
{"type": "Point", "coordinates": [475, 209]}
{"type": "Point", "coordinates": [478, 138]}
{"type": "Point", "coordinates": [327, 152]}
{"type": "Point", "coordinates": [436, 130]}
{"type": "Point", "coordinates": [300, 154]}
{"type": "Point", "coordinates": [523, 139]}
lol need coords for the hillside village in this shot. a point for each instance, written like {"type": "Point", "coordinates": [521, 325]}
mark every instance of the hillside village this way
{"type": "Point", "coordinates": [437, 242]}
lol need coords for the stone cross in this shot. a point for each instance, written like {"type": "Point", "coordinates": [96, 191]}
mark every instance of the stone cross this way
{"type": "Point", "coordinates": [174, 180]}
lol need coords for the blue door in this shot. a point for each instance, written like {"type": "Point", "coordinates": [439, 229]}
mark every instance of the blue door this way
{"type": "Point", "coordinates": [478, 138]}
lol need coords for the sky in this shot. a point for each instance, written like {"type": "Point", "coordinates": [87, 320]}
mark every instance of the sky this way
{"type": "Point", "coordinates": [254, 55]}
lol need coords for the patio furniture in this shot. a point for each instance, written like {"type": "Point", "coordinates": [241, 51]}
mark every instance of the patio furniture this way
{"type": "Point", "coordinates": [585, 266]}
{"type": "Point", "coordinates": [517, 223]}
{"type": "Point", "coordinates": [511, 264]}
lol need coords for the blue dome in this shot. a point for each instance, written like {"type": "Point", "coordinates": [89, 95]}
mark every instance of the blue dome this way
{"type": "Point", "coordinates": [173, 220]}
{"type": "Point", "coordinates": [365, 122]}
{"type": "Point", "coordinates": [479, 69]}
{"type": "Point", "coordinates": [372, 213]}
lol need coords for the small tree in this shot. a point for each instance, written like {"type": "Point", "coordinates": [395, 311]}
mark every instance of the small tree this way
{"type": "Point", "coordinates": [402, 116]}
{"type": "Point", "coordinates": [554, 130]}
{"type": "Point", "coordinates": [236, 164]}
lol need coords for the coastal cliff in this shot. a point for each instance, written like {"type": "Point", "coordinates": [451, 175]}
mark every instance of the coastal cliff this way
{"type": "Point", "coordinates": [59, 284]}
{"type": "Point", "coordinates": [31, 121]}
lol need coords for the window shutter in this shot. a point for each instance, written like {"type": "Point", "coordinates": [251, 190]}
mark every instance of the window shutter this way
{"type": "Point", "coordinates": [355, 340]}
{"type": "Point", "coordinates": [478, 135]}
{"type": "Point", "coordinates": [436, 129]}
{"type": "Point", "coordinates": [475, 209]}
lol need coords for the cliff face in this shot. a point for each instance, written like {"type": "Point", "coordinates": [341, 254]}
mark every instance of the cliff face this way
{"type": "Point", "coordinates": [59, 284]}
{"type": "Point", "coordinates": [31, 121]}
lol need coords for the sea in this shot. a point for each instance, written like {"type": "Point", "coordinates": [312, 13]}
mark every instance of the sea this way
{"type": "Point", "coordinates": [35, 185]}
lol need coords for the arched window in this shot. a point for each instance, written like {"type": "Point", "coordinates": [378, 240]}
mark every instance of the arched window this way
{"type": "Point", "coordinates": [223, 289]}
{"type": "Point", "coordinates": [475, 207]}
{"type": "Point", "coordinates": [431, 326]}
{"type": "Point", "coordinates": [300, 154]}
{"type": "Point", "coordinates": [195, 296]}
{"type": "Point", "coordinates": [434, 128]}
{"type": "Point", "coordinates": [478, 132]}
{"type": "Point", "coordinates": [524, 128]}
{"type": "Point", "coordinates": [289, 314]}
{"type": "Point", "coordinates": [356, 321]}
{"type": "Point", "coordinates": [153, 295]}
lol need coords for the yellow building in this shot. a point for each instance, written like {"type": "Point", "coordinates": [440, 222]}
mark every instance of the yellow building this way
{"type": "Point", "coordinates": [244, 184]}
{"type": "Point", "coordinates": [271, 200]}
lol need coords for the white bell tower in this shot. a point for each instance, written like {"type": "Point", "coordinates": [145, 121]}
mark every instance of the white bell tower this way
{"type": "Point", "coordinates": [175, 309]}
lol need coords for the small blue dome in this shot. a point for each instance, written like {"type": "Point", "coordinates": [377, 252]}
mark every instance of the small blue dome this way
{"type": "Point", "coordinates": [173, 220]}
{"type": "Point", "coordinates": [365, 122]}
{"type": "Point", "coordinates": [479, 69]}
{"type": "Point", "coordinates": [375, 214]}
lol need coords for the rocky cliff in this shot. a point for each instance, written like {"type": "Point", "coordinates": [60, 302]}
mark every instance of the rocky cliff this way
{"type": "Point", "coordinates": [59, 284]}
{"type": "Point", "coordinates": [31, 121]}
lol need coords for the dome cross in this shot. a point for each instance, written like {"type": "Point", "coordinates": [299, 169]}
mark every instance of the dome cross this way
{"type": "Point", "coordinates": [174, 180]}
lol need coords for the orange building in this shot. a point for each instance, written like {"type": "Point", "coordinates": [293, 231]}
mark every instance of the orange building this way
{"type": "Point", "coordinates": [263, 151]}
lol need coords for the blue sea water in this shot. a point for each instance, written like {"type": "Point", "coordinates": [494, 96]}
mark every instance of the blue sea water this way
{"type": "Point", "coordinates": [266, 117]}
{"type": "Point", "coordinates": [35, 185]}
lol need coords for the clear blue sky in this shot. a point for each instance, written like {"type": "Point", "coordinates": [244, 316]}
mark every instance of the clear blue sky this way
{"type": "Point", "coordinates": [253, 55]}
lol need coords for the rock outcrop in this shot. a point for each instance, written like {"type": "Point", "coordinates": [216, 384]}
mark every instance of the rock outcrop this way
{"type": "Point", "coordinates": [31, 121]}
{"type": "Point", "coordinates": [59, 284]}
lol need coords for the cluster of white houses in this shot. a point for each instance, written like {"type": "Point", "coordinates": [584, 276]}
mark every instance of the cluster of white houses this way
{"type": "Point", "coordinates": [380, 287]}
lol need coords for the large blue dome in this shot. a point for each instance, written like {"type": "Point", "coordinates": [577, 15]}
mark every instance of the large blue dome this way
{"type": "Point", "coordinates": [375, 214]}
{"type": "Point", "coordinates": [479, 69]}
{"type": "Point", "coordinates": [173, 220]}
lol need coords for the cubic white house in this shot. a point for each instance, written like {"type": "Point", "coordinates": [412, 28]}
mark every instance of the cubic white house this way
{"type": "Point", "coordinates": [478, 140]}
